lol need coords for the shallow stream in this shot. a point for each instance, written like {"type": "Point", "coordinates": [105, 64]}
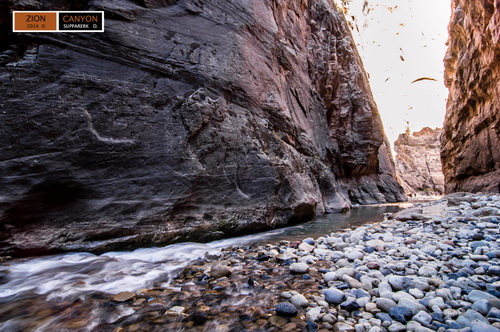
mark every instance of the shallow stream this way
{"type": "Point", "coordinates": [39, 294]}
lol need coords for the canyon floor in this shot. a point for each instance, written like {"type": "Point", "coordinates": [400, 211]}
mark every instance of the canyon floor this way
{"type": "Point", "coordinates": [433, 267]}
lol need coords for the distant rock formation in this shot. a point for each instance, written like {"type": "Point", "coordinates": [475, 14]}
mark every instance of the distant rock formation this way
{"type": "Point", "coordinates": [418, 162]}
{"type": "Point", "coordinates": [470, 144]}
{"type": "Point", "coordinates": [184, 120]}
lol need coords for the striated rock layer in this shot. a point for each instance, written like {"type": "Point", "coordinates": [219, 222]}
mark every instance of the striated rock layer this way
{"type": "Point", "coordinates": [418, 162]}
{"type": "Point", "coordinates": [470, 153]}
{"type": "Point", "coordinates": [185, 120]}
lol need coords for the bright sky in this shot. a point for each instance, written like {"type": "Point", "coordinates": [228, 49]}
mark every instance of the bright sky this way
{"type": "Point", "coordinates": [414, 31]}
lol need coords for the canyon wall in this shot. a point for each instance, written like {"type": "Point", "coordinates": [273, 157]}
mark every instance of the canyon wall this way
{"type": "Point", "coordinates": [471, 139]}
{"type": "Point", "coordinates": [418, 162]}
{"type": "Point", "coordinates": [185, 120]}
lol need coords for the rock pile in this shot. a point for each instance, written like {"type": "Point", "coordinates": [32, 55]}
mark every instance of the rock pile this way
{"type": "Point", "coordinates": [431, 268]}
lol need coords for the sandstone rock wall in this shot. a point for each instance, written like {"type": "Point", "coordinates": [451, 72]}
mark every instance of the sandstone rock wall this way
{"type": "Point", "coordinates": [471, 139]}
{"type": "Point", "coordinates": [184, 120]}
{"type": "Point", "coordinates": [418, 162]}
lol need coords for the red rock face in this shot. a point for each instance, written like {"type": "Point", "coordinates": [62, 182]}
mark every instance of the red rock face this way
{"type": "Point", "coordinates": [185, 120]}
{"type": "Point", "coordinates": [418, 162]}
{"type": "Point", "coordinates": [471, 140]}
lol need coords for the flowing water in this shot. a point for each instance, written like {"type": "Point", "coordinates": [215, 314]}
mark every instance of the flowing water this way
{"type": "Point", "coordinates": [37, 294]}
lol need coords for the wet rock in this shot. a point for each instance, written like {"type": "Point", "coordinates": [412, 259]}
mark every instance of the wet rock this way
{"type": "Point", "coordinates": [175, 311]}
{"type": "Point", "coordinates": [311, 326]}
{"type": "Point", "coordinates": [286, 309]}
{"type": "Point", "coordinates": [220, 269]}
{"type": "Point", "coordinates": [278, 321]}
{"type": "Point", "coordinates": [123, 296]}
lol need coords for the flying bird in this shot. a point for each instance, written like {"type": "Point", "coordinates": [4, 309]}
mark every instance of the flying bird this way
{"type": "Point", "coordinates": [424, 79]}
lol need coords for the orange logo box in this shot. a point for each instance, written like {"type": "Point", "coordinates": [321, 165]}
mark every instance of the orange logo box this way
{"type": "Point", "coordinates": [35, 21]}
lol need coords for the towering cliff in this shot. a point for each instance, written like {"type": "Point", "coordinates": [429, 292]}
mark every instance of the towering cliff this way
{"type": "Point", "coordinates": [418, 162]}
{"type": "Point", "coordinates": [470, 153]}
{"type": "Point", "coordinates": [184, 120]}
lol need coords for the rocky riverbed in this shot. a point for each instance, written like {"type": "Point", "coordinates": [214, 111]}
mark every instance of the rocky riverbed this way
{"type": "Point", "coordinates": [434, 267]}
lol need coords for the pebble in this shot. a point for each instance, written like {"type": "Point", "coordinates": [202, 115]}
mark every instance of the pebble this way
{"type": "Point", "coordinates": [385, 304]}
{"type": "Point", "coordinates": [286, 309]}
{"type": "Point", "coordinates": [439, 302]}
{"type": "Point", "coordinates": [343, 327]}
{"type": "Point", "coordinates": [123, 296]}
{"type": "Point", "coordinates": [401, 283]}
{"type": "Point", "coordinates": [306, 247]}
{"type": "Point", "coordinates": [482, 306]}
{"type": "Point", "coordinates": [334, 296]}
{"type": "Point", "coordinates": [400, 314]}
{"type": "Point", "coordinates": [313, 314]}
{"type": "Point", "coordinates": [416, 293]}
{"type": "Point", "coordinates": [479, 326]}
{"type": "Point", "coordinates": [423, 318]}
{"type": "Point", "coordinates": [299, 300]}
{"type": "Point", "coordinates": [419, 271]}
{"type": "Point", "coordinates": [299, 268]}
{"type": "Point", "coordinates": [350, 305]}
{"type": "Point", "coordinates": [477, 295]}
{"type": "Point", "coordinates": [411, 305]}
{"type": "Point", "coordinates": [427, 271]}
{"type": "Point", "coordinates": [219, 270]}
{"type": "Point", "coordinates": [353, 255]}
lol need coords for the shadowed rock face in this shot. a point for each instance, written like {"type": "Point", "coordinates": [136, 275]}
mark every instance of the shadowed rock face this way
{"type": "Point", "coordinates": [418, 162]}
{"type": "Point", "coordinates": [185, 120]}
{"type": "Point", "coordinates": [470, 143]}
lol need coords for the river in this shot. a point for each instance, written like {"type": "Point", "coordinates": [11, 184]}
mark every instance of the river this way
{"type": "Point", "coordinates": [38, 294]}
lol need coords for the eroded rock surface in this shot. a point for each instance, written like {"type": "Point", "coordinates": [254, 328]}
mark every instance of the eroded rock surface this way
{"type": "Point", "coordinates": [470, 153]}
{"type": "Point", "coordinates": [184, 120]}
{"type": "Point", "coordinates": [418, 162]}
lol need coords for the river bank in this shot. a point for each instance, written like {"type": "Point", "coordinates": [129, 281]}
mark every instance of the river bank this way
{"type": "Point", "coordinates": [431, 268]}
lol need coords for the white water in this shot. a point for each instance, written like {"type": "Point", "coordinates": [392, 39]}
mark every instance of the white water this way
{"type": "Point", "coordinates": [62, 276]}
